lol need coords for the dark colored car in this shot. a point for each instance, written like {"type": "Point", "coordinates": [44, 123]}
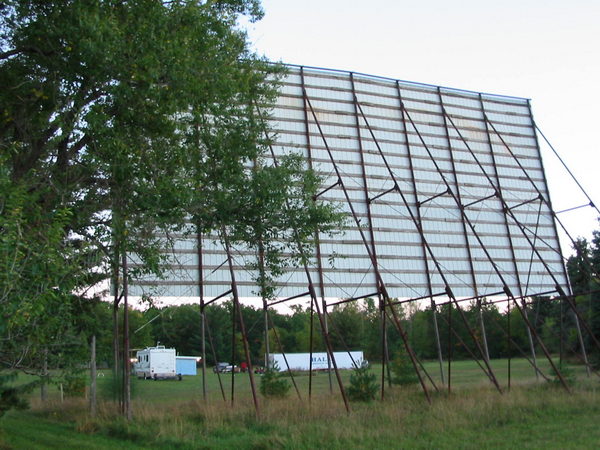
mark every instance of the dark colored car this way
{"type": "Point", "coordinates": [222, 367]}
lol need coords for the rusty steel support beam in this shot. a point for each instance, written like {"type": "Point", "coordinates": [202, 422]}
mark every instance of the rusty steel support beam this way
{"type": "Point", "coordinates": [526, 202]}
{"type": "Point", "coordinates": [498, 189]}
{"type": "Point", "coordinates": [420, 230]}
{"type": "Point", "coordinates": [422, 367]}
{"type": "Point", "coordinates": [542, 261]}
{"type": "Point", "coordinates": [419, 224]}
{"type": "Point", "coordinates": [313, 295]}
{"type": "Point", "coordinates": [293, 297]}
{"type": "Point", "coordinates": [370, 225]}
{"type": "Point", "coordinates": [214, 353]}
{"type": "Point", "coordinates": [460, 340]}
{"type": "Point", "coordinates": [220, 296]}
{"type": "Point", "coordinates": [237, 307]}
{"type": "Point", "coordinates": [415, 299]}
{"type": "Point", "coordinates": [327, 189]}
{"type": "Point", "coordinates": [486, 351]}
{"type": "Point", "coordinates": [353, 299]}
{"type": "Point", "coordinates": [450, 347]}
{"type": "Point", "coordinates": [368, 249]}
{"type": "Point", "coordinates": [202, 315]}
{"type": "Point", "coordinates": [430, 199]}
{"type": "Point", "coordinates": [488, 256]}
{"type": "Point", "coordinates": [480, 200]}
{"type": "Point", "coordinates": [317, 241]}
{"type": "Point", "coordinates": [565, 274]}
{"type": "Point", "coordinates": [287, 365]}
{"type": "Point", "coordinates": [381, 194]}
{"type": "Point", "coordinates": [520, 350]}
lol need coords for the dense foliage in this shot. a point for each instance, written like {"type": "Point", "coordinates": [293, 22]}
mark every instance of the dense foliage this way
{"type": "Point", "coordinates": [354, 327]}
{"type": "Point", "coordinates": [121, 123]}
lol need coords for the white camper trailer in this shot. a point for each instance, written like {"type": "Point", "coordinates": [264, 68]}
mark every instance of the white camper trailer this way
{"type": "Point", "coordinates": [156, 363]}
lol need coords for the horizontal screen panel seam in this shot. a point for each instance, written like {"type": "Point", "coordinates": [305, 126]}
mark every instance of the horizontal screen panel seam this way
{"type": "Point", "coordinates": [410, 108]}
{"type": "Point", "coordinates": [400, 129]}
{"type": "Point", "coordinates": [317, 135]}
{"type": "Point", "coordinates": [319, 72]}
{"type": "Point", "coordinates": [407, 90]}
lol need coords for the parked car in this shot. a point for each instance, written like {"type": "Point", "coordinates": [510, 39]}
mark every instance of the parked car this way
{"type": "Point", "coordinates": [221, 367]}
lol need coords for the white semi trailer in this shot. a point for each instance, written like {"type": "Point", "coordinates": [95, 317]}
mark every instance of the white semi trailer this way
{"type": "Point", "coordinates": [156, 363]}
{"type": "Point", "coordinates": [301, 361]}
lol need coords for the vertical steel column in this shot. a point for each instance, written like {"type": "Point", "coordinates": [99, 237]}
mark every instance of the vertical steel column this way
{"type": "Point", "coordinates": [464, 225]}
{"type": "Point", "coordinates": [370, 224]}
{"type": "Point", "coordinates": [261, 262]}
{"type": "Point", "coordinates": [202, 314]}
{"type": "Point", "coordinates": [420, 224]}
{"type": "Point", "coordinates": [310, 344]}
{"type": "Point", "coordinates": [126, 362]}
{"type": "Point", "coordinates": [558, 287]}
{"type": "Point", "coordinates": [317, 241]}
{"type": "Point", "coordinates": [315, 305]}
{"type": "Point", "coordinates": [93, 377]}
{"type": "Point", "coordinates": [564, 269]}
{"type": "Point", "coordinates": [395, 317]}
{"type": "Point", "coordinates": [314, 301]}
{"type": "Point", "coordinates": [449, 346]}
{"type": "Point", "coordinates": [287, 365]}
{"type": "Point", "coordinates": [236, 306]}
{"type": "Point", "coordinates": [508, 318]}
{"type": "Point", "coordinates": [449, 191]}
{"type": "Point", "coordinates": [233, 349]}
{"type": "Point", "coordinates": [500, 196]}
{"type": "Point", "coordinates": [488, 256]}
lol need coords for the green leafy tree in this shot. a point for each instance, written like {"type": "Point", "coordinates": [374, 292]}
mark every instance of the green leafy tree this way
{"type": "Point", "coordinates": [121, 122]}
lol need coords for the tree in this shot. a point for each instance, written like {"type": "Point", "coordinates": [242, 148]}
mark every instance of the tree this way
{"type": "Point", "coordinates": [584, 269]}
{"type": "Point", "coordinates": [402, 368]}
{"type": "Point", "coordinates": [120, 123]}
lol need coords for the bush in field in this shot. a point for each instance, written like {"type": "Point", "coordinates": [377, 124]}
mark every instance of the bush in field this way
{"type": "Point", "coordinates": [402, 369]}
{"type": "Point", "coordinates": [11, 396]}
{"type": "Point", "coordinates": [74, 384]}
{"type": "Point", "coordinates": [568, 375]}
{"type": "Point", "coordinates": [363, 385]}
{"type": "Point", "coordinates": [272, 383]}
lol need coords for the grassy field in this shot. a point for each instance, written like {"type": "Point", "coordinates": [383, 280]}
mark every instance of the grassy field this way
{"type": "Point", "coordinates": [171, 414]}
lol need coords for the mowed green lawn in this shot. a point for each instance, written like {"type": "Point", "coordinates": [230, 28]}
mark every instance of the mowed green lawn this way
{"type": "Point", "coordinates": [173, 414]}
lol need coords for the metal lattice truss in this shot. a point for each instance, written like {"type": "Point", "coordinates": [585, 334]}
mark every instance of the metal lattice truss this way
{"type": "Point", "coordinates": [444, 191]}
{"type": "Point", "coordinates": [446, 200]}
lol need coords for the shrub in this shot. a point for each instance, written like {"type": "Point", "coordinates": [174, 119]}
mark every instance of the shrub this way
{"type": "Point", "coordinates": [74, 384]}
{"type": "Point", "coordinates": [272, 383]}
{"type": "Point", "coordinates": [11, 396]}
{"type": "Point", "coordinates": [568, 375]}
{"type": "Point", "coordinates": [402, 368]}
{"type": "Point", "coordinates": [363, 385]}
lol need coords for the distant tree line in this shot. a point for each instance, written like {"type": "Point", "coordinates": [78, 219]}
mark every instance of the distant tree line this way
{"type": "Point", "coordinates": [357, 326]}
{"type": "Point", "coordinates": [352, 326]}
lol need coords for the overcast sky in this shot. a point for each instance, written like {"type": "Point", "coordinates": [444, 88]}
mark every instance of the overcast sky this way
{"type": "Point", "coordinates": [543, 50]}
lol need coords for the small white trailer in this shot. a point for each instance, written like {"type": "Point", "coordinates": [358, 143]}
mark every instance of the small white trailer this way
{"type": "Point", "coordinates": [156, 363]}
{"type": "Point", "coordinates": [320, 360]}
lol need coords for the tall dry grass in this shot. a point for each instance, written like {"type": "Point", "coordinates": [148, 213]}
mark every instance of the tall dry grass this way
{"type": "Point", "coordinates": [404, 417]}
